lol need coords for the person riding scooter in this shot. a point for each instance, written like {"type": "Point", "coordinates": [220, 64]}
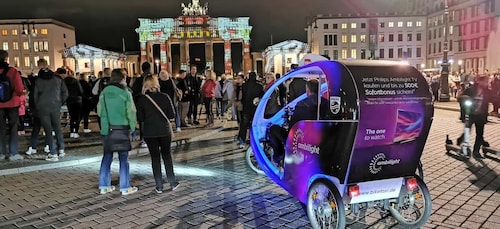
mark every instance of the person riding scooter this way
{"type": "Point", "coordinates": [480, 95]}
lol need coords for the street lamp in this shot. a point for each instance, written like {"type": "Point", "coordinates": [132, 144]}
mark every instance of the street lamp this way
{"type": "Point", "coordinates": [445, 65]}
{"type": "Point", "coordinates": [157, 62]}
{"type": "Point", "coordinates": [29, 33]}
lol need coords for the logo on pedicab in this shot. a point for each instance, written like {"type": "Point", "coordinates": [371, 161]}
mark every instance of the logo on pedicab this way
{"type": "Point", "coordinates": [378, 161]}
{"type": "Point", "coordinates": [334, 104]}
{"type": "Point", "coordinates": [298, 143]}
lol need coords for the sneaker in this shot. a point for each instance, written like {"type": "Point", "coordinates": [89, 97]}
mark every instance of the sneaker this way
{"type": "Point", "coordinates": [196, 122]}
{"type": "Point", "coordinates": [53, 133]}
{"type": "Point", "coordinates": [175, 186]}
{"type": "Point", "coordinates": [159, 191]}
{"type": "Point", "coordinates": [87, 131]}
{"type": "Point", "coordinates": [178, 130]}
{"type": "Point", "coordinates": [62, 153]}
{"type": "Point", "coordinates": [52, 157]}
{"type": "Point", "coordinates": [143, 144]}
{"type": "Point", "coordinates": [30, 151]}
{"type": "Point", "coordinates": [241, 145]}
{"type": "Point", "coordinates": [76, 135]}
{"type": "Point", "coordinates": [46, 149]}
{"type": "Point", "coordinates": [107, 190]}
{"type": "Point", "coordinates": [71, 135]}
{"type": "Point", "coordinates": [129, 191]}
{"type": "Point", "coordinates": [16, 157]}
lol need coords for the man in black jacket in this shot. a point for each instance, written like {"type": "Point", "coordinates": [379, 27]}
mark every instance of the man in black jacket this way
{"type": "Point", "coordinates": [194, 85]}
{"type": "Point", "coordinates": [137, 91]}
{"type": "Point", "coordinates": [252, 91]}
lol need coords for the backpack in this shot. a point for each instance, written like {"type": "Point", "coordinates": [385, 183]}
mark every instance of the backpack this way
{"type": "Point", "coordinates": [6, 89]}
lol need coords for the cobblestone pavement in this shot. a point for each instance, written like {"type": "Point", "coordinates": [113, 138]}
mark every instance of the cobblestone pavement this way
{"type": "Point", "coordinates": [219, 191]}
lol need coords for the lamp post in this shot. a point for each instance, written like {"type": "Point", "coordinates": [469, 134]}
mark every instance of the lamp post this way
{"type": "Point", "coordinates": [29, 32]}
{"type": "Point", "coordinates": [445, 65]}
{"type": "Point", "coordinates": [157, 62]}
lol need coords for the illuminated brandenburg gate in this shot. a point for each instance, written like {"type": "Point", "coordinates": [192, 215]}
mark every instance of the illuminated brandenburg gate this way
{"type": "Point", "coordinates": [194, 26]}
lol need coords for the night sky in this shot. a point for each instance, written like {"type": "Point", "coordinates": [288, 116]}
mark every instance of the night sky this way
{"type": "Point", "coordinates": [103, 23]}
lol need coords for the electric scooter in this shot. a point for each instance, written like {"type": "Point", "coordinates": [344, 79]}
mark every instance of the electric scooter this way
{"type": "Point", "coordinates": [462, 148]}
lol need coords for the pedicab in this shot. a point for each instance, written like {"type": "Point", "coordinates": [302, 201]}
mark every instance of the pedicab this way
{"type": "Point", "coordinates": [363, 152]}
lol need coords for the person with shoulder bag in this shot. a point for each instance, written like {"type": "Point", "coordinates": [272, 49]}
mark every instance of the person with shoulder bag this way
{"type": "Point", "coordinates": [169, 87]}
{"type": "Point", "coordinates": [117, 114]}
{"type": "Point", "coordinates": [155, 109]}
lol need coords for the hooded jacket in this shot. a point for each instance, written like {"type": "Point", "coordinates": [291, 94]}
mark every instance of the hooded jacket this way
{"type": "Point", "coordinates": [116, 107]}
{"type": "Point", "coordinates": [50, 92]}
{"type": "Point", "coordinates": [251, 89]}
{"type": "Point", "coordinates": [17, 84]}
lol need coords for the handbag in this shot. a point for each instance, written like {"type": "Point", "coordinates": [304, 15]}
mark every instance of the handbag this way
{"type": "Point", "coordinates": [118, 138]}
{"type": "Point", "coordinates": [163, 114]}
{"type": "Point", "coordinates": [177, 92]}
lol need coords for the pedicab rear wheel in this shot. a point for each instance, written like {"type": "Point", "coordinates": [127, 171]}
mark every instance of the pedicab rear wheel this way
{"type": "Point", "coordinates": [324, 207]}
{"type": "Point", "coordinates": [414, 207]}
{"type": "Point", "coordinates": [252, 161]}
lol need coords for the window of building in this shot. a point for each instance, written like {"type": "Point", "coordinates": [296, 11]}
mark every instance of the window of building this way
{"type": "Point", "coordinates": [477, 27]}
{"type": "Point", "coordinates": [335, 54]}
{"type": "Point", "coordinates": [485, 42]}
{"type": "Point", "coordinates": [434, 48]}
{"type": "Point", "coordinates": [429, 35]}
{"type": "Point", "coordinates": [400, 24]}
{"type": "Point", "coordinates": [344, 26]}
{"type": "Point", "coordinates": [363, 54]}
{"type": "Point", "coordinates": [391, 53]}
{"type": "Point", "coordinates": [26, 61]}
{"type": "Point", "coordinates": [419, 36]}
{"type": "Point", "coordinates": [344, 54]}
{"type": "Point", "coordinates": [353, 39]}
{"type": "Point", "coordinates": [418, 23]}
{"type": "Point", "coordinates": [5, 45]}
{"type": "Point", "coordinates": [4, 32]}
{"type": "Point", "coordinates": [477, 43]}
{"type": "Point", "coordinates": [381, 38]}
{"type": "Point", "coordinates": [391, 37]}
{"type": "Point", "coordinates": [409, 24]}
{"type": "Point", "coordinates": [450, 45]}
{"type": "Point", "coordinates": [25, 45]}
{"type": "Point", "coordinates": [35, 47]}
{"type": "Point", "coordinates": [439, 47]}
{"type": "Point", "coordinates": [353, 53]}
{"type": "Point", "coordinates": [382, 24]}
{"type": "Point", "coordinates": [354, 25]}
{"type": "Point", "coordinates": [429, 49]}
{"type": "Point", "coordinates": [464, 29]}
{"type": "Point", "coordinates": [381, 53]}
{"type": "Point", "coordinates": [335, 38]}
{"type": "Point", "coordinates": [400, 52]}
{"type": "Point", "coordinates": [44, 32]}
{"type": "Point", "coordinates": [363, 25]}
{"type": "Point", "coordinates": [15, 45]}
{"type": "Point", "coordinates": [325, 26]}
{"type": "Point", "coordinates": [14, 32]}
{"type": "Point", "coordinates": [391, 24]}
{"type": "Point", "coordinates": [344, 38]}
{"type": "Point", "coordinates": [434, 33]}
{"type": "Point", "coordinates": [335, 26]}
{"type": "Point", "coordinates": [459, 46]}
{"type": "Point", "coordinates": [16, 61]}
{"type": "Point", "coordinates": [409, 37]}
{"type": "Point", "coordinates": [35, 59]}
{"type": "Point", "coordinates": [325, 53]}
{"type": "Point", "coordinates": [47, 58]}
{"type": "Point", "coordinates": [325, 40]}
{"type": "Point", "coordinates": [362, 38]}
{"type": "Point", "coordinates": [45, 46]}
{"type": "Point", "coordinates": [419, 52]}
{"type": "Point", "coordinates": [330, 39]}
{"type": "Point", "coordinates": [64, 35]}
{"type": "Point", "coordinates": [486, 25]}
{"type": "Point", "coordinates": [400, 37]}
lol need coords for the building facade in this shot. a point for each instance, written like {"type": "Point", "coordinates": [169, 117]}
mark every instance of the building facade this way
{"type": "Point", "coordinates": [194, 27]}
{"type": "Point", "coordinates": [279, 57]}
{"type": "Point", "coordinates": [28, 40]}
{"type": "Point", "coordinates": [388, 37]}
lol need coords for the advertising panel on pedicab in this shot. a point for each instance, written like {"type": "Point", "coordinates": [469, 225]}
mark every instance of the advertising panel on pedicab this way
{"type": "Point", "coordinates": [395, 117]}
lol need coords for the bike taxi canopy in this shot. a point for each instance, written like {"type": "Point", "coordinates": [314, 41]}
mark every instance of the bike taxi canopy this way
{"type": "Point", "coordinates": [378, 119]}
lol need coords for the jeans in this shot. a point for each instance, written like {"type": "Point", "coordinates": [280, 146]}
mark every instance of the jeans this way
{"type": "Point", "coordinates": [244, 125]}
{"type": "Point", "coordinates": [161, 146]}
{"type": "Point", "coordinates": [12, 114]}
{"type": "Point", "coordinates": [193, 108]}
{"type": "Point", "coordinates": [52, 122]}
{"type": "Point", "coordinates": [105, 171]}
{"type": "Point", "coordinates": [183, 111]}
{"type": "Point", "coordinates": [35, 131]}
{"type": "Point", "coordinates": [222, 106]}
{"type": "Point", "coordinates": [177, 115]}
{"type": "Point", "coordinates": [75, 110]}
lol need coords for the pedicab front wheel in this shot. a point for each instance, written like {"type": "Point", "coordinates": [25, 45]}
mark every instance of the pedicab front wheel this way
{"type": "Point", "coordinates": [324, 207]}
{"type": "Point", "coordinates": [252, 162]}
{"type": "Point", "coordinates": [414, 206]}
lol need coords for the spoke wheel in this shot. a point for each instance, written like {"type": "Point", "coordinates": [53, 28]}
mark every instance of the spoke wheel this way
{"type": "Point", "coordinates": [325, 208]}
{"type": "Point", "coordinates": [414, 207]}
{"type": "Point", "coordinates": [252, 161]}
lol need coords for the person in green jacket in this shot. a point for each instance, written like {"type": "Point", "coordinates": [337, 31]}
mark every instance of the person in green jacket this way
{"type": "Point", "coordinates": [115, 107]}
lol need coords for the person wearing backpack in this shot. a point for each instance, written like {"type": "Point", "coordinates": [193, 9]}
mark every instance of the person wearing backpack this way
{"type": "Point", "coordinates": [11, 88]}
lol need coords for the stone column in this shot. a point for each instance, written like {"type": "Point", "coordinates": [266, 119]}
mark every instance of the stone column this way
{"type": "Point", "coordinates": [169, 56]}
{"type": "Point", "coordinates": [247, 59]}
{"type": "Point", "coordinates": [143, 52]}
{"type": "Point", "coordinates": [92, 67]}
{"type": "Point", "coordinates": [163, 56]}
{"type": "Point", "coordinates": [283, 61]}
{"type": "Point", "coordinates": [184, 57]}
{"type": "Point", "coordinates": [77, 68]}
{"type": "Point", "coordinates": [209, 54]}
{"type": "Point", "coordinates": [227, 57]}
